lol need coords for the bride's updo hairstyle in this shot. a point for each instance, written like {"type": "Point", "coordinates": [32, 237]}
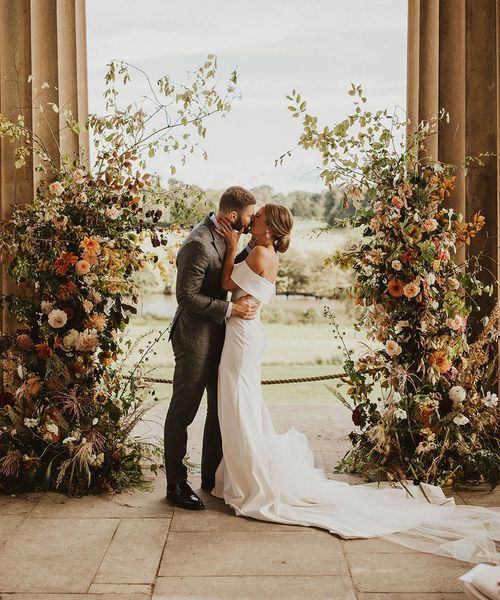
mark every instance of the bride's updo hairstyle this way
{"type": "Point", "coordinates": [280, 222]}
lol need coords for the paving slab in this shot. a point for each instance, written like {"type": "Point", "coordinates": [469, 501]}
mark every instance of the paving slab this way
{"type": "Point", "coordinates": [220, 517]}
{"type": "Point", "coordinates": [134, 553]}
{"type": "Point", "coordinates": [480, 496]}
{"type": "Point", "coordinates": [8, 524]}
{"type": "Point", "coordinates": [112, 596]}
{"type": "Point", "coordinates": [255, 588]}
{"type": "Point", "coordinates": [139, 504]}
{"type": "Point", "coordinates": [405, 573]}
{"type": "Point", "coordinates": [145, 589]}
{"type": "Point", "coordinates": [54, 555]}
{"type": "Point", "coordinates": [408, 596]}
{"type": "Point", "coordinates": [376, 546]}
{"type": "Point", "coordinates": [18, 504]}
{"type": "Point", "coordinates": [252, 553]}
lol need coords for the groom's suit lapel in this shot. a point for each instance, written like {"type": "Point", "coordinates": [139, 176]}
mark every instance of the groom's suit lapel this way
{"type": "Point", "coordinates": [217, 240]}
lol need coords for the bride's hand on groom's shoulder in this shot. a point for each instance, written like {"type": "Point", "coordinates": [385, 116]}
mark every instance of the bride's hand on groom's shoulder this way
{"type": "Point", "coordinates": [231, 236]}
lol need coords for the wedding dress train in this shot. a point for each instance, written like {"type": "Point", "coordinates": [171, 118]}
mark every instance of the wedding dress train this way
{"type": "Point", "coordinates": [271, 476]}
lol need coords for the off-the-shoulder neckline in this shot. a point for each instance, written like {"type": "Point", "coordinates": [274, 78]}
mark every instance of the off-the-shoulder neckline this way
{"type": "Point", "coordinates": [256, 274]}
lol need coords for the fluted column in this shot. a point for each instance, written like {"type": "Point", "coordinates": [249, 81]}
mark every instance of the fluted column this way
{"type": "Point", "coordinates": [455, 44]}
{"type": "Point", "coordinates": [451, 140]}
{"type": "Point", "coordinates": [481, 132]}
{"type": "Point", "coordinates": [47, 40]}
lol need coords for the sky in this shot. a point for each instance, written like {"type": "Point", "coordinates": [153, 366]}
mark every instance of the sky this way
{"type": "Point", "coordinates": [318, 48]}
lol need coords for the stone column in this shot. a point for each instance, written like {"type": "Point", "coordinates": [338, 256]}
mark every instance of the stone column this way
{"type": "Point", "coordinates": [45, 39]}
{"type": "Point", "coordinates": [455, 45]}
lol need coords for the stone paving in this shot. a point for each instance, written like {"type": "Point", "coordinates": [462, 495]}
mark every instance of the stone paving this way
{"type": "Point", "coordinates": [136, 547]}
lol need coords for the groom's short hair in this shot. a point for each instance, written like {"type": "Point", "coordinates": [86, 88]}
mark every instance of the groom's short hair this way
{"type": "Point", "coordinates": [236, 198]}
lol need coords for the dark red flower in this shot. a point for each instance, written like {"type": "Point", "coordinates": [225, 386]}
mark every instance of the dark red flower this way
{"type": "Point", "coordinates": [66, 291]}
{"type": "Point", "coordinates": [43, 350]}
{"type": "Point", "coordinates": [445, 406]}
{"type": "Point", "coordinates": [358, 417]}
{"type": "Point", "coordinates": [69, 311]}
{"type": "Point", "coordinates": [6, 399]}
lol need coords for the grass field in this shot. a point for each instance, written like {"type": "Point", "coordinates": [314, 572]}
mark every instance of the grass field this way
{"type": "Point", "coordinates": [292, 351]}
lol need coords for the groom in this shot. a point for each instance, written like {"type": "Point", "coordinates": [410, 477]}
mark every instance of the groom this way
{"type": "Point", "coordinates": [197, 335]}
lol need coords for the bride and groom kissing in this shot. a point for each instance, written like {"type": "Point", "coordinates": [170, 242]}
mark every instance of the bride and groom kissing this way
{"type": "Point", "coordinates": [270, 476]}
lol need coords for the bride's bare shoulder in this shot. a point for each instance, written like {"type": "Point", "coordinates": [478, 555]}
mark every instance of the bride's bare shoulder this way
{"type": "Point", "coordinates": [260, 259]}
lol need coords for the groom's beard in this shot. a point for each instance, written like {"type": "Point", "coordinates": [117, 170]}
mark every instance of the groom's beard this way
{"type": "Point", "coordinates": [238, 226]}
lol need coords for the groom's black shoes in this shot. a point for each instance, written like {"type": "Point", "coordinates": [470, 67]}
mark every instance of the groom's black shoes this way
{"type": "Point", "coordinates": [182, 495]}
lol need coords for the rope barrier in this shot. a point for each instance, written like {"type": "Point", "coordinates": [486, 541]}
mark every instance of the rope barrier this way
{"type": "Point", "coordinates": [266, 381]}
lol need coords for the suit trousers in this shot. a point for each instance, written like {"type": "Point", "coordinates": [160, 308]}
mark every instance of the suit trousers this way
{"type": "Point", "coordinates": [193, 374]}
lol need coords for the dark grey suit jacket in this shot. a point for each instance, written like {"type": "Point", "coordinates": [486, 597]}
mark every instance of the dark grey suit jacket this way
{"type": "Point", "coordinates": [199, 322]}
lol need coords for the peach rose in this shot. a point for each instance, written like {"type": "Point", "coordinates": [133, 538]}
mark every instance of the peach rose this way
{"type": "Point", "coordinates": [411, 290]}
{"type": "Point", "coordinates": [79, 176]}
{"type": "Point", "coordinates": [82, 267]}
{"type": "Point", "coordinates": [56, 188]}
{"type": "Point", "coordinates": [430, 224]}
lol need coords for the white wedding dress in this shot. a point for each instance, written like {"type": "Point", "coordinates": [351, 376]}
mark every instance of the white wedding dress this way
{"type": "Point", "coordinates": [272, 477]}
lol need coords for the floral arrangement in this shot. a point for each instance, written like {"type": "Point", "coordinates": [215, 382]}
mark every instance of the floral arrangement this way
{"type": "Point", "coordinates": [423, 396]}
{"type": "Point", "coordinates": [67, 407]}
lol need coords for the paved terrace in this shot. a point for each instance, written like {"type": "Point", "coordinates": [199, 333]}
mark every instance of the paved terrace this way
{"type": "Point", "coordinates": [137, 547]}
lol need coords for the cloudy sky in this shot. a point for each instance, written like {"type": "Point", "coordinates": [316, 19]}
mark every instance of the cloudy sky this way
{"type": "Point", "coordinates": [317, 47]}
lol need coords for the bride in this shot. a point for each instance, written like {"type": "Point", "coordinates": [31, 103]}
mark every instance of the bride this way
{"type": "Point", "coordinates": [271, 476]}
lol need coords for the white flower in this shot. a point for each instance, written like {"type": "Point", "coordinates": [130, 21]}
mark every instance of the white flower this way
{"type": "Point", "coordinates": [52, 427]}
{"type": "Point", "coordinates": [95, 421]}
{"type": "Point", "coordinates": [113, 213]}
{"type": "Point", "coordinates": [460, 420]}
{"type": "Point", "coordinates": [392, 348]}
{"type": "Point", "coordinates": [396, 265]}
{"type": "Point", "coordinates": [87, 306]}
{"type": "Point", "coordinates": [56, 188]}
{"type": "Point", "coordinates": [69, 439]}
{"type": "Point", "coordinates": [79, 176]}
{"type": "Point", "coordinates": [395, 397]}
{"type": "Point", "coordinates": [430, 278]}
{"type": "Point", "coordinates": [87, 341]}
{"type": "Point", "coordinates": [457, 394]}
{"type": "Point", "coordinates": [46, 306]}
{"type": "Point", "coordinates": [416, 217]}
{"type": "Point", "coordinates": [57, 318]}
{"type": "Point", "coordinates": [425, 446]}
{"type": "Point", "coordinates": [70, 338]}
{"type": "Point", "coordinates": [453, 323]}
{"type": "Point", "coordinates": [400, 325]}
{"type": "Point", "coordinates": [399, 413]}
{"type": "Point", "coordinates": [490, 400]}
{"type": "Point", "coordinates": [30, 422]}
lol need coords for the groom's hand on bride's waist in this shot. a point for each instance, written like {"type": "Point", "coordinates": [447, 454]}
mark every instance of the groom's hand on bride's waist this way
{"type": "Point", "coordinates": [245, 308]}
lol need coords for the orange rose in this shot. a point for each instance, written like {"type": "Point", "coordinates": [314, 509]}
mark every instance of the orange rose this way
{"type": "Point", "coordinates": [440, 359]}
{"type": "Point", "coordinates": [395, 287]}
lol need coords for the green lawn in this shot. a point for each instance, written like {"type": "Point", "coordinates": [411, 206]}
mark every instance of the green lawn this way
{"type": "Point", "coordinates": [292, 351]}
